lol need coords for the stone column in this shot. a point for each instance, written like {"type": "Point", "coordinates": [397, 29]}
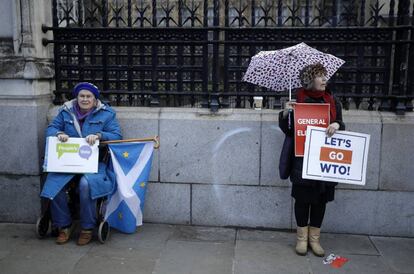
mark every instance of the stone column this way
{"type": "Point", "coordinates": [26, 82]}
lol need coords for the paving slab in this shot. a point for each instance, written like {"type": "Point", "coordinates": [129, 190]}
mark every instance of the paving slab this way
{"type": "Point", "coordinates": [43, 257]}
{"type": "Point", "coordinates": [356, 264]}
{"type": "Point", "coordinates": [200, 233]}
{"type": "Point", "coordinates": [260, 257]}
{"type": "Point", "coordinates": [183, 249]}
{"type": "Point", "coordinates": [13, 236]}
{"type": "Point", "coordinates": [122, 253]}
{"type": "Point", "coordinates": [344, 244]}
{"type": "Point", "coordinates": [127, 253]}
{"type": "Point", "coordinates": [117, 260]}
{"type": "Point", "coordinates": [266, 236]}
{"type": "Point", "coordinates": [333, 243]}
{"type": "Point", "coordinates": [184, 257]}
{"type": "Point", "coordinates": [13, 233]}
{"type": "Point", "coordinates": [148, 235]}
{"type": "Point", "coordinates": [397, 253]}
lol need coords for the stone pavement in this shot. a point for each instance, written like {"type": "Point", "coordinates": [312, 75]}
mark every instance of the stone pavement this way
{"type": "Point", "coordinates": [173, 249]}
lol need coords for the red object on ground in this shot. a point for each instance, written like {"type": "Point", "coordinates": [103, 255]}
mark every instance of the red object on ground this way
{"type": "Point", "coordinates": [339, 262]}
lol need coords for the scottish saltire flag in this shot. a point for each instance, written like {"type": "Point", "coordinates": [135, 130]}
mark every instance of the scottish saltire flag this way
{"type": "Point", "coordinates": [131, 164]}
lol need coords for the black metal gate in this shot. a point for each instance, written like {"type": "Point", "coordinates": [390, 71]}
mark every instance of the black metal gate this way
{"type": "Point", "coordinates": [194, 53]}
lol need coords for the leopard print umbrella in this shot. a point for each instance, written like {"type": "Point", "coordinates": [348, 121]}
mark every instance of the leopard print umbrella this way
{"type": "Point", "coordinates": [279, 69]}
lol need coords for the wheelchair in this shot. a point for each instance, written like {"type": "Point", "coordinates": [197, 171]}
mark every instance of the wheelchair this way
{"type": "Point", "coordinates": [44, 222]}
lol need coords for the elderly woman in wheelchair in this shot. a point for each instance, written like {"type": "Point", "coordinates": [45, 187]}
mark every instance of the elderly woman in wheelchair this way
{"type": "Point", "coordinates": [83, 117]}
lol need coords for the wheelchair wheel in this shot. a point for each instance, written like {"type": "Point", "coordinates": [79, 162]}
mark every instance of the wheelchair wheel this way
{"type": "Point", "coordinates": [42, 226]}
{"type": "Point", "coordinates": [103, 232]}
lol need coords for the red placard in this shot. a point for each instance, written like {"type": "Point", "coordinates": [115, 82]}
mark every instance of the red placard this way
{"type": "Point", "coordinates": [307, 114]}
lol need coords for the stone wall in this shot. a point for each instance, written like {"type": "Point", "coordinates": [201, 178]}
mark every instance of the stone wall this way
{"type": "Point", "coordinates": [221, 170]}
{"type": "Point", "coordinates": [26, 79]}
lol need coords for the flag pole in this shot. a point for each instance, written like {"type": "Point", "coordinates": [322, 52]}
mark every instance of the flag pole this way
{"type": "Point", "coordinates": [155, 139]}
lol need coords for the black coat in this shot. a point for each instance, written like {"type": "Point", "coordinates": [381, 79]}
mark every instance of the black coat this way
{"type": "Point", "coordinates": [305, 190]}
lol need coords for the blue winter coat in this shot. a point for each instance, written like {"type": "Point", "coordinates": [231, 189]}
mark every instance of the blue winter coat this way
{"type": "Point", "coordinates": [102, 120]}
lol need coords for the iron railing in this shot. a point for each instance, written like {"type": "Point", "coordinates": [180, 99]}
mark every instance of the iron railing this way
{"type": "Point", "coordinates": [194, 53]}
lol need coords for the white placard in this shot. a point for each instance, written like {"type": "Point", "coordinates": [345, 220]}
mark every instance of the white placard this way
{"type": "Point", "coordinates": [72, 156]}
{"type": "Point", "coordinates": [341, 158]}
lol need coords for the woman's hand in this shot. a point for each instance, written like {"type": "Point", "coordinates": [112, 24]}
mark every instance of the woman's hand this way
{"type": "Point", "coordinates": [331, 129]}
{"type": "Point", "coordinates": [91, 139]}
{"type": "Point", "coordinates": [63, 137]}
{"type": "Point", "coordinates": [288, 106]}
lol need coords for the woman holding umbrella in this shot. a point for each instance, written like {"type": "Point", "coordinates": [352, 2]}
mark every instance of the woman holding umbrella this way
{"type": "Point", "coordinates": [311, 196]}
{"type": "Point", "coordinates": [308, 68]}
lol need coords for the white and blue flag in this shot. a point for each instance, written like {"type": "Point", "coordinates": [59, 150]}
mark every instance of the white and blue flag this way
{"type": "Point", "coordinates": [131, 164]}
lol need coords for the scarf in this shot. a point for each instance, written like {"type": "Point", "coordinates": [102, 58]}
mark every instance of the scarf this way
{"type": "Point", "coordinates": [302, 94]}
{"type": "Point", "coordinates": [81, 116]}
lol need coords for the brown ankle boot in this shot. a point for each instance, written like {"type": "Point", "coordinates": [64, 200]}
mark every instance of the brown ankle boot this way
{"type": "Point", "coordinates": [64, 235]}
{"type": "Point", "coordinates": [314, 236]}
{"type": "Point", "coordinates": [301, 240]}
{"type": "Point", "coordinates": [85, 237]}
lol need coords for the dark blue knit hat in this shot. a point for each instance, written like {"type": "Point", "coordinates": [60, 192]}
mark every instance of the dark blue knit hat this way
{"type": "Point", "coordinates": [88, 86]}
